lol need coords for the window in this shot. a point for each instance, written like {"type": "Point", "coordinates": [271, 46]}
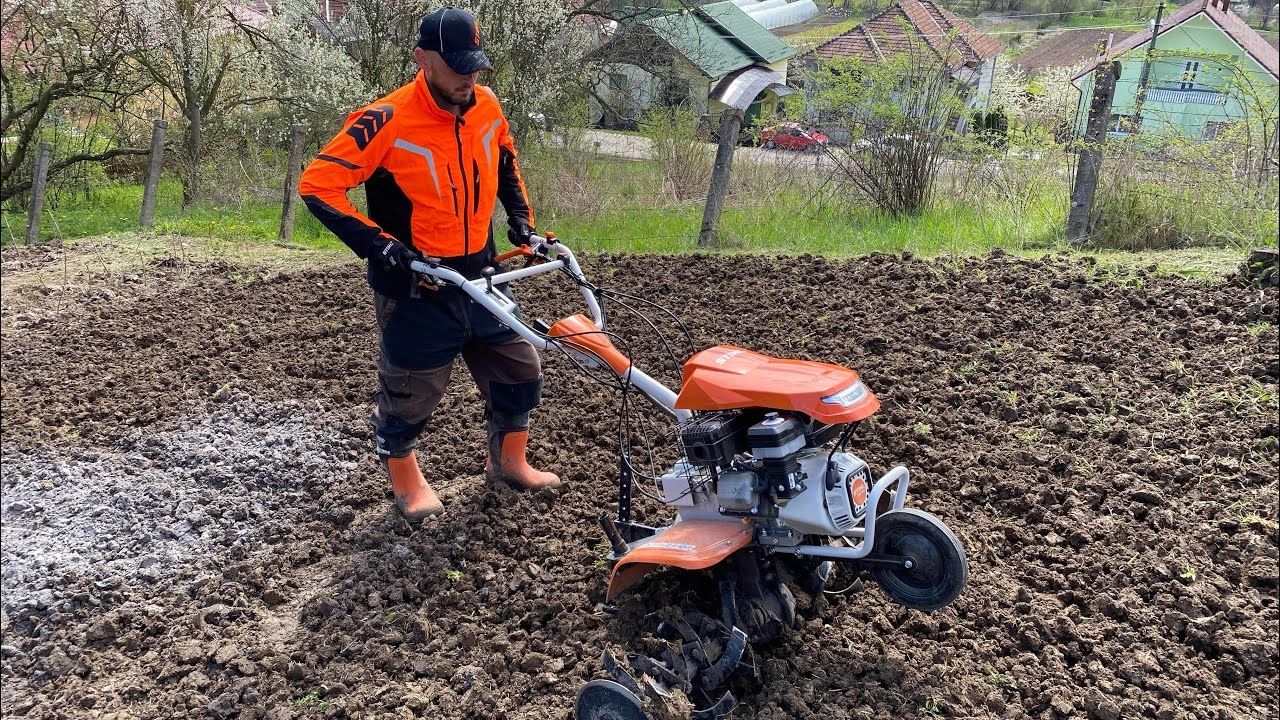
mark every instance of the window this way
{"type": "Point", "coordinates": [1188, 80]}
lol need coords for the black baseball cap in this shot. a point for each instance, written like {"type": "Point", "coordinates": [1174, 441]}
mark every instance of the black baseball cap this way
{"type": "Point", "coordinates": [455, 34]}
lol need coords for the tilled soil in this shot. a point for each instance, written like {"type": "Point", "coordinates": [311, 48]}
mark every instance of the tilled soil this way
{"type": "Point", "coordinates": [194, 525]}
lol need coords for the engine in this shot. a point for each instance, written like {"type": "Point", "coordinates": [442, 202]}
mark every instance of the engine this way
{"type": "Point", "coordinates": [769, 465]}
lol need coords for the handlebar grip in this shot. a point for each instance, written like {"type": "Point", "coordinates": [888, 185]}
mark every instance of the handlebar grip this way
{"type": "Point", "coordinates": [514, 252]}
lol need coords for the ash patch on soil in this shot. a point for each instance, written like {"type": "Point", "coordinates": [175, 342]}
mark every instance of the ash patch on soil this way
{"type": "Point", "coordinates": [161, 500]}
{"type": "Point", "coordinates": [1104, 443]}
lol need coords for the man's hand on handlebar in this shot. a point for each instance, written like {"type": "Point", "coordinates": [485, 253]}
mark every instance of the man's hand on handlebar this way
{"type": "Point", "coordinates": [520, 233]}
{"type": "Point", "coordinates": [395, 255]}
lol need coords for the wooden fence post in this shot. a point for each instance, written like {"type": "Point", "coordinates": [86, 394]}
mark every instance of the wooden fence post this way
{"type": "Point", "coordinates": [1090, 158]}
{"type": "Point", "coordinates": [730, 124]}
{"type": "Point", "coordinates": [291, 178]}
{"type": "Point", "coordinates": [155, 162]}
{"type": "Point", "coordinates": [38, 183]}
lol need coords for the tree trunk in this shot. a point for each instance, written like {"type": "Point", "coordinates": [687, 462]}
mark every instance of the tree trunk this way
{"type": "Point", "coordinates": [192, 138]}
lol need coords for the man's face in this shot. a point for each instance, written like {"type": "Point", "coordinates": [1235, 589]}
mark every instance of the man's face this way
{"type": "Point", "coordinates": [443, 81]}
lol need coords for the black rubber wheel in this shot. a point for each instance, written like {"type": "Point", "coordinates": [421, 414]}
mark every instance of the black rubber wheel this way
{"type": "Point", "coordinates": [938, 570]}
{"type": "Point", "coordinates": [769, 145]}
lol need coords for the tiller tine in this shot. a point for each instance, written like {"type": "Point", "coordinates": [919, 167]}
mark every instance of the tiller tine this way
{"type": "Point", "coordinates": [620, 674]}
{"type": "Point", "coordinates": [718, 711]}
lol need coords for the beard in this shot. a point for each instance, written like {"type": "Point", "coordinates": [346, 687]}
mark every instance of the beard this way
{"type": "Point", "coordinates": [455, 95]}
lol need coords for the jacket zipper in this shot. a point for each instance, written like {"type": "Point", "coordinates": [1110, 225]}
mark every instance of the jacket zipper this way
{"type": "Point", "coordinates": [454, 187]}
{"type": "Point", "coordinates": [475, 176]}
{"type": "Point", "coordinates": [466, 201]}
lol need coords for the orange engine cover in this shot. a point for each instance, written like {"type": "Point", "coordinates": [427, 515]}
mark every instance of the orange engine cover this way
{"type": "Point", "coordinates": [727, 377]}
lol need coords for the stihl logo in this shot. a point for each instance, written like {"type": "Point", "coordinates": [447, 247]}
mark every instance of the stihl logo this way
{"type": "Point", "coordinates": [725, 358]}
{"type": "Point", "coordinates": [368, 125]}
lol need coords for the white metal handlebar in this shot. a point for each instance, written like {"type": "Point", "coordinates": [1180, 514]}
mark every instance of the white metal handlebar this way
{"type": "Point", "coordinates": [484, 290]}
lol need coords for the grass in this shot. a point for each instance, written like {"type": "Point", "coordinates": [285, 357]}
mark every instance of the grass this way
{"type": "Point", "coordinates": [611, 205]}
{"type": "Point", "coordinates": [1000, 680]}
{"type": "Point", "coordinates": [312, 701]}
{"type": "Point", "coordinates": [602, 551]}
{"type": "Point", "coordinates": [1203, 263]}
{"type": "Point", "coordinates": [1029, 436]}
{"type": "Point", "coordinates": [1128, 22]}
{"type": "Point", "coordinates": [114, 209]}
{"type": "Point", "coordinates": [793, 224]}
{"type": "Point", "coordinates": [806, 40]}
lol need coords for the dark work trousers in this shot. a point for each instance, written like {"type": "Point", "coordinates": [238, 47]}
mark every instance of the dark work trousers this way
{"type": "Point", "coordinates": [421, 338]}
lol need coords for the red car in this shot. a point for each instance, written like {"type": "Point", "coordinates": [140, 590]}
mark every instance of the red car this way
{"type": "Point", "coordinates": [792, 136]}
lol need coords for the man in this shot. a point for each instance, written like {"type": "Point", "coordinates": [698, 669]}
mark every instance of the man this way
{"type": "Point", "coordinates": [434, 156]}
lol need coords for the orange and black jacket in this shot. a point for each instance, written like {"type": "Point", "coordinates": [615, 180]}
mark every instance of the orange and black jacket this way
{"type": "Point", "coordinates": [431, 180]}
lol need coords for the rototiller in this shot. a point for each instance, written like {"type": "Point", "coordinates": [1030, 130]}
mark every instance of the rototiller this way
{"type": "Point", "coordinates": [765, 497]}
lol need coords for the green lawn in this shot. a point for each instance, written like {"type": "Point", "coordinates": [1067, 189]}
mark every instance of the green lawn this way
{"type": "Point", "coordinates": [114, 209]}
{"type": "Point", "coordinates": [794, 226]}
{"type": "Point", "coordinates": [809, 39]}
{"type": "Point", "coordinates": [620, 206]}
{"type": "Point", "coordinates": [627, 218]}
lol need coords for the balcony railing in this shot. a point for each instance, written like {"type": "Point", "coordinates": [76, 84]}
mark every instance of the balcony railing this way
{"type": "Point", "coordinates": [1187, 97]}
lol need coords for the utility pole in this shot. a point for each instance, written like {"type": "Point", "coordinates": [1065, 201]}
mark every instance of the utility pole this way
{"type": "Point", "coordinates": [1089, 163]}
{"type": "Point", "coordinates": [1145, 78]}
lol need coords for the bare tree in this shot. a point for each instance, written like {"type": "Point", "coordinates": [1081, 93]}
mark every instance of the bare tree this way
{"type": "Point", "coordinates": [536, 51]}
{"type": "Point", "coordinates": [59, 57]}
{"type": "Point", "coordinates": [193, 51]}
{"type": "Point", "coordinates": [378, 35]}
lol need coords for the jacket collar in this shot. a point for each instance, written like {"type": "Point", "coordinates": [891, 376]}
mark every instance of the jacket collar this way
{"type": "Point", "coordinates": [424, 96]}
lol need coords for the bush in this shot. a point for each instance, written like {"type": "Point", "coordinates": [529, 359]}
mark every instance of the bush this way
{"type": "Point", "coordinates": [680, 151]}
{"type": "Point", "coordinates": [1168, 192]}
{"type": "Point", "coordinates": [900, 113]}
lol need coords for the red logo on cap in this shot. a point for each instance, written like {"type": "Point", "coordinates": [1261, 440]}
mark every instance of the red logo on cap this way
{"type": "Point", "coordinates": [476, 37]}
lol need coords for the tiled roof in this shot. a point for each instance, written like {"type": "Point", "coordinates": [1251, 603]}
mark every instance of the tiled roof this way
{"type": "Point", "coordinates": [895, 29]}
{"type": "Point", "coordinates": [1230, 23]}
{"type": "Point", "coordinates": [1068, 49]}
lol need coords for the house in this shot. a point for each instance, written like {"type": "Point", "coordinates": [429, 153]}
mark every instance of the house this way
{"type": "Point", "coordinates": [969, 53]}
{"type": "Point", "coordinates": [1065, 49]}
{"type": "Point", "coordinates": [1203, 55]}
{"type": "Point", "coordinates": [701, 58]}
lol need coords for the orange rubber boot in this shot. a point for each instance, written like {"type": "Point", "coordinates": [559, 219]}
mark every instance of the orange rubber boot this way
{"type": "Point", "coordinates": [513, 468]}
{"type": "Point", "coordinates": [415, 498]}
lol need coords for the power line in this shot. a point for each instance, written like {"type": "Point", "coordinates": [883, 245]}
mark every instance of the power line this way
{"type": "Point", "coordinates": [1052, 14]}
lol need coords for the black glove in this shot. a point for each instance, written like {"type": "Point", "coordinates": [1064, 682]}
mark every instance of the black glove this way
{"type": "Point", "coordinates": [395, 255]}
{"type": "Point", "coordinates": [519, 233]}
